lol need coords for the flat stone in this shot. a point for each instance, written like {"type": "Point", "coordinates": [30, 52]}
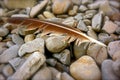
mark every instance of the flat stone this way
{"type": "Point", "coordinates": [113, 47]}
{"type": "Point", "coordinates": [16, 63]}
{"type": "Point", "coordinates": [29, 37]}
{"type": "Point", "coordinates": [9, 54]}
{"type": "Point", "coordinates": [110, 27]}
{"type": "Point", "coordinates": [48, 14]}
{"type": "Point", "coordinates": [80, 50]}
{"type": "Point", "coordinates": [20, 15]}
{"type": "Point", "coordinates": [3, 31]}
{"type": "Point", "coordinates": [107, 71]}
{"type": "Point", "coordinates": [43, 74]}
{"type": "Point", "coordinates": [96, 22]}
{"type": "Point", "coordinates": [19, 4]}
{"type": "Point", "coordinates": [31, 46]}
{"type": "Point", "coordinates": [85, 68]}
{"type": "Point", "coordinates": [97, 52]}
{"type": "Point", "coordinates": [56, 43]}
{"type": "Point", "coordinates": [66, 76]}
{"type": "Point", "coordinates": [61, 6]}
{"type": "Point", "coordinates": [36, 9]}
{"type": "Point", "coordinates": [17, 39]}
{"type": "Point", "coordinates": [29, 67]}
{"type": "Point", "coordinates": [8, 70]}
{"type": "Point", "coordinates": [81, 25]}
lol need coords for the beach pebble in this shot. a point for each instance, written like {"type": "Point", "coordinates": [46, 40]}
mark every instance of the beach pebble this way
{"type": "Point", "coordinates": [48, 14]}
{"type": "Point", "coordinates": [77, 2]}
{"type": "Point", "coordinates": [82, 26]}
{"type": "Point", "coordinates": [3, 31]}
{"type": "Point", "coordinates": [17, 39]}
{"type": "Point", "coordinates": [51, 61]}
{"type": "Point", "coordinates": [87, 1]}
{"type": "Point", "coordinates": [82, 8]}
{"type": "Point", "coordinates": [2, 77]}
{"type": "Point", "coordinates": [66, 76]}
{"type": "Point", "coordinates": [29, 37]}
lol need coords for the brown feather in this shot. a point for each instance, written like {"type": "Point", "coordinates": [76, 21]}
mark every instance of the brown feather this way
{"type": "Point", "coordinates": [51, 27]}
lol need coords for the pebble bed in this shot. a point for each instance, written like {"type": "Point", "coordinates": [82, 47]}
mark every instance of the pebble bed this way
{"type": "Point", "coordinates": [27, 55]}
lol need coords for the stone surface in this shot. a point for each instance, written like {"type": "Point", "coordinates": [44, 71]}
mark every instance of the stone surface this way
{"type": "Point", "coordinates": [97, 21]}
{"type": "Point", "coordinates": [17, 39]}
{"type": "Point", "coordinates": [3, 31]}
{"type": "Point", "coordinates": [80, 50]}
{"type": "Point", "coordinates": [97, 52]}
{"type": "Point", "coordinates": [85, 68]}
{"type": "Point", "coordinates": [56, 43]}
{"type": "Point", "coordinates": [9, 54]}
{"type": "Point", "coordinates": [82, 8]}
{"type": "Point", "coordinates": [81, 25]}
{"type": "Point", "coordinates": [9, 44]}
{"type": "Point", "coordinates": [78, 2]}
{"type": "Point", "coordinates": [109, 27]}
{"type": "Point", "coordinates": [31, 46]}
{"type": "Point", "coordinates": [36, 9]}
{"type": "Point", "coordinates": [61, 6]}
{"type": "Point", "coordinates": [43, 74]}
{"type": "Point", "coordinates": [29, 37]}
{"type": "Point", "coordinates": [66, 76]}
{"type": "Point", "coordinates": [113, 47]}
{"type": "Point", "coordinates": [29, 67]}
{"type": "Point", "coordinates": [116, 55]}
{"type": "Point", "coordinates": [48, 14]}
{"type": "Point", "coordinates": [107, 71]}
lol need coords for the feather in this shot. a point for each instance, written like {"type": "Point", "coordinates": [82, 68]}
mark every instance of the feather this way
{"type": "Point", "coordinates": [51, 27]}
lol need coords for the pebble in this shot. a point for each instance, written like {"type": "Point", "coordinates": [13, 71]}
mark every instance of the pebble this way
{"type": "Point", "coordinates": [56, 44]}
{"type": "Point", "coordinates": [66, 76]}
{"type": "Point", "coordinates": [113, 47]}
{"type": "Point", "coordinates": [37, 8]}
{"type": "Point", "coordinates": [97, 22]}
{"type": "Point", "coordinates": [51, 61]}
{"type": "Point", "coordinates": [85, 68]}
{"type": "Point", "coordinates": [91, 11]}
{"type": "Point", "coordinates": [1, 67]}
{"type": "Point", "coordinates": [56, 75]}
{"type": "Point", "coordinates": [88, 16]}
{"type": "Point", "coordinates": [80, 50]}
{"type": "Point", "coordinates": [79, 16]}
{"type": "Point", "coordinates": [41, 17]}
{"type": "Point", "coordinates": [9, 54]}
{"type": "Point", "coordinates": [16, 62]}
{"type": "Point", "coordinates": [48, 8]}
{"type": "Point", "coordinates": [29, 37]}
{"type": "Point", "coordinates": [31, 46]}
{"type": "Point", "coordinates": [114, 4]}
{"type": "Point", "coordinates": [118, 30]}
{"type": "Point", "coordinates": [48, 14]}
{"type": "Point", "coordinates": [1, 12]}
{"type": "Point", "coordinates": [97, 52]}
{"type": "Point", "coordinates": [61, 6]}
{"type": "Point", "coordinates": [20, 15]}
{"type": "Point", "coordinates": [110, 27]}
{"type": "Point", "coordinates": [8, 70]}
{"type": "Point", "coordinates": [107, 71]}
{"type": "Point", "coordinates": [82, 8]}
{"type": "Point", "coordinates": [77, 2]}
{"type": "Point", "coordinates": [43, 74]}
{"type": "Point", "coordinates": [3, 31]}
{"type": "Point", "coordinates": [81, 25]}
{"type": "Point", "coordinates": [72, 12]}
{"type": "Point", "coordinates": [116, 55]}
{"type": "Point", "coordinates": [17, 39]}
{"type": "Point", "coordinates": [87, 1]}
{"type": "Point", "coordinates": [9, 44]}
{"type": "Point", "coordinates": [29, 67]}
{"type": "Point", "coordinates": [63, 57]}
{"type": "Point", "coordinates": [19, 4]}
{"type": "Point", "coordinates": [2, 77]}
{"type": "Point", "coordinates": [94, 5]}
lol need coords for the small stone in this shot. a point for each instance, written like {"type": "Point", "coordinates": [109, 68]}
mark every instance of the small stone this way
{"type": "Point", "coordinates": [96, 22]}
{"type": "Point", "coordinates": [19, 4]}
{"type": "Point", "coordinates": [1, 12]}
{"type": "Point", "coordinates": [48, 8]}
{"type": "Point", "coordinates": [17, 62]}
{"type": "Point", "coordinates": [78, 2]}
{"type": "Point", "coordinates": [17, 39]}
{"type": "Point", "coordinates": [9, 44]}
{"type": "Point", "coordinates": [51, 61]}
{"type": "Point", "coordinates": [85, 68]}
{"type": "Point", "coordinates": [72, 12]}
{"type": "Point", "coordinates": [1, 67]}
{"type": "Point", "coordinates": [58, 20]}
{"type": "Point", "coordinates": [118, 30]}
{"type": "Point", "coordinates": [81, 25]}
{"type": "Point", "coordinates": [82, 8]}
{"type": "Point", "coordinates": [63, 57]}
{"type": "Point", "coordinates": [114, 4]}
{"type": "Point", "coordinates": [87, 1]}
{"type": "Point", "coordinates": [29, 37]}
{"type": "Point", "coordinates": [91, 11]}
{"type": "Point", "coordinates": [80, 50]}
{"type": "Point", "coordinates": [2, 77]}
{"type": "Point", "coordinates": [116, 55]}
{"type": "Point", "coordinates": [56, 43]}
{"type": "Point", "coordinates": [66, 76]}
{"type": "Point", "coordinates": [29, 67]}
{"type": "Point", "coordinates": [107, 71]}
{"type": "Point", "coordinates": [115, 16]}
{"type": "Point", "coordinates": [31, 46]}
{"type": "Point", "coordinates": [97, 52]}
{"type": "Point", "coordinates": [3, 31]}
{"type": "Point", "coordinates": [94, 5]}
{"type": "Point", "coordinates": [43, 74]}
{"type": "Point", "coordinates": [36, 9]}
{"type": "Point", "coordinates": [48, 14]}
{"type": "Point", "coordinates": [41, 17]}
{"type": "Point", "coordinates": [87, 22]}
{"type": "Point", "coordinates": [56, 75]}
{"type": "Point", "coordinates": [20, 15]}
{"type": "Point", "coordinates": [113, 47]}
{"type": "Point", "coordinates": [1, 38]}
{"type": "Point", "coordinates": [88, 16]}
{"type": "Point", "coordinates": [9, 54]}
{"type": "Point", "coordinates": [7, 70]}
{"type": "Point", "coordinates": [62, 16]}
{"type": "Point", "coordinates": [79, 16]}
{"type": "Point", "coordinates": [61, 6]}
{"type": "Point", "coordinates": [110, 27]}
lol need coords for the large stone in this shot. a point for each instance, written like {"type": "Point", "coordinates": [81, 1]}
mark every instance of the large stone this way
{"type": "Point", "coordinates": [98, 52]}
{"type": "Point", "coordinates": [113, 47]}
{"type": "Point", "coordinates": [31, 46]}
{"type": "Point", "coordinates": [61, 6]}
{"type": "Point", "coordinates": [9, 54]}
{"type": "Point", "coordinates": [85, 68]}
{"type": "Point", "coordinates": [30, 66]}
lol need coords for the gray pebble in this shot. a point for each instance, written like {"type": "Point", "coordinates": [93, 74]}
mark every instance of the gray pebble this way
{"type": "Point", "coordinates": [3, 31]}
{"type": "Point", "coordinates": [9, 44]}
{"type": "Point", "coordinates": [51, 61]}
{"type": "Point", "coordinates": [81, 25]}
{"type": "Point", "coordinates": [2, 77]}
{"type": "Point", "coordinates": [82, 8]}
{"type": "Point", "coordinates": [87, 1]}
{"type": "Point", "coordinates": [79, 16]}
{"type": "Point", "coordinates": [66, 76]}
{"type": "Point", "coordinates": [17, 39]}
